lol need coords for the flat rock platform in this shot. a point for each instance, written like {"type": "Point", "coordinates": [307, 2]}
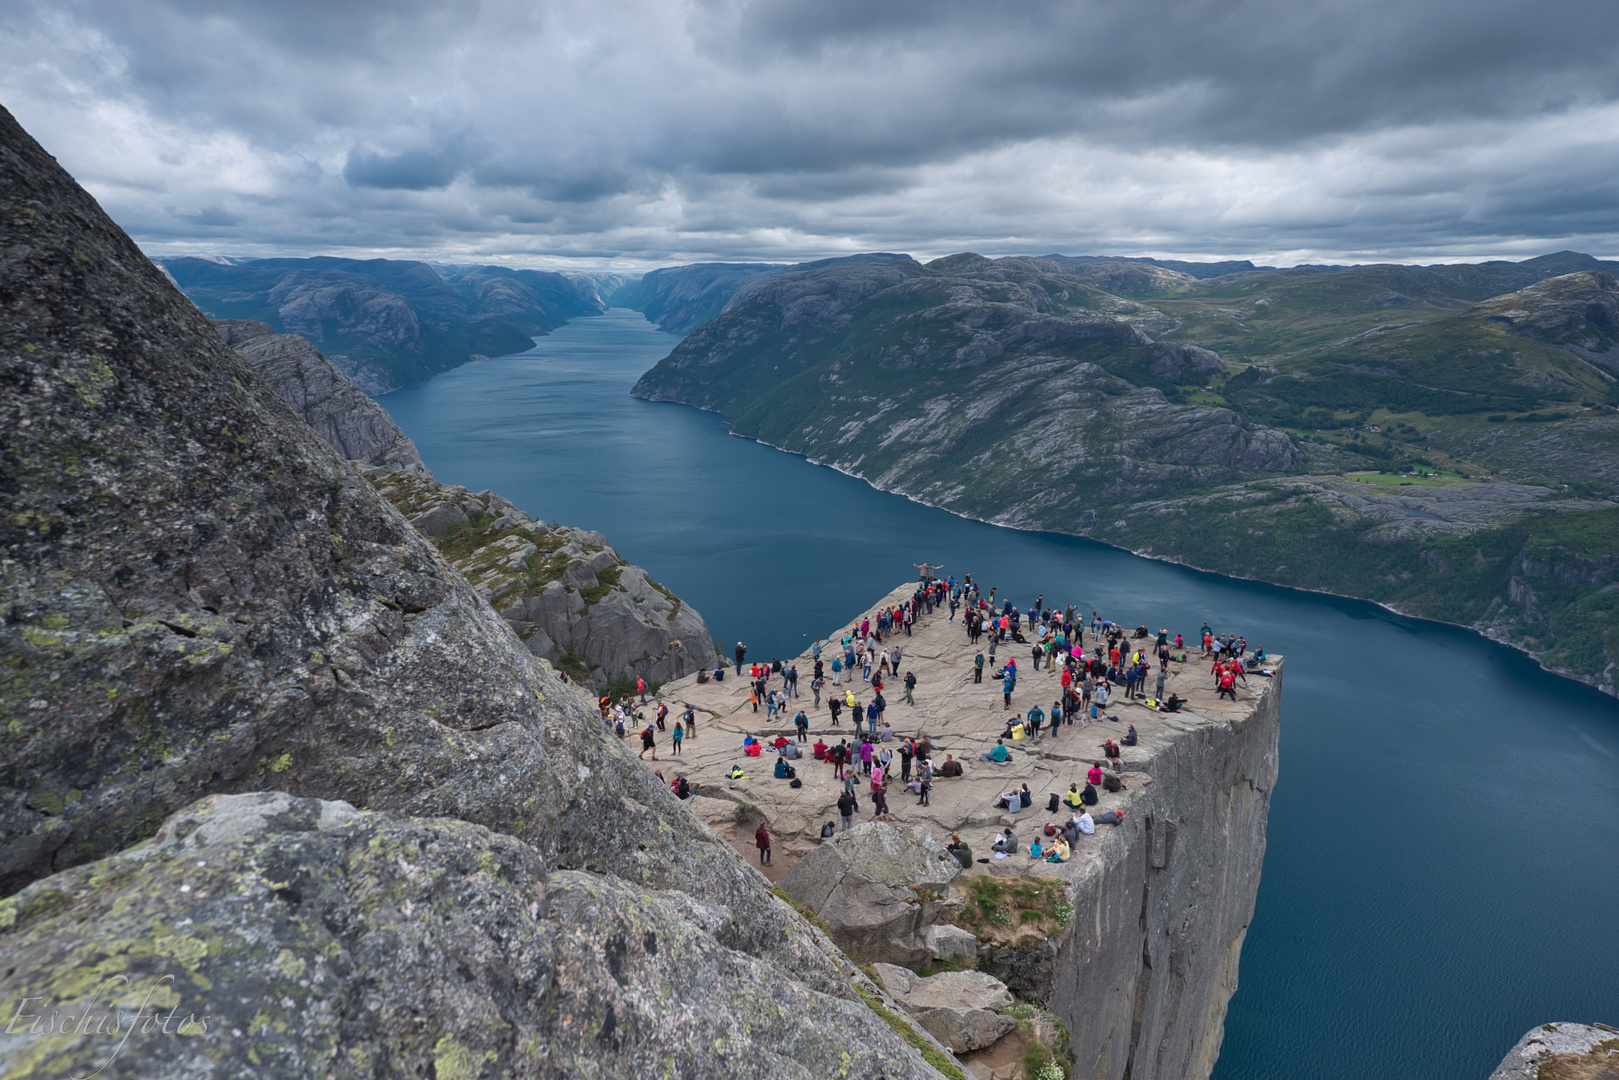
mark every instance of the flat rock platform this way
{"type": "Point", "coordinates": [959, 717]}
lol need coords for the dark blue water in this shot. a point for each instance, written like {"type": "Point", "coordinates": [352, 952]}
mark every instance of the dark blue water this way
{"type": "Point", "coordinates": [1443, 864]}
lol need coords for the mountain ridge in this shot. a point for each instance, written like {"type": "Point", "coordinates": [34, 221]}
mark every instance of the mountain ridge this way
{"type": "Point", "coordinates": [1012, 391]}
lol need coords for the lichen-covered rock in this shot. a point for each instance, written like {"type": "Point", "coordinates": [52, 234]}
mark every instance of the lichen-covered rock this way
{"type": "Point", "coordinates": [286, 937]}
{"type": "Point", "coordinates": [1563, 1051]}
{"type": "Point", "coordinates": [956, 1007]}
{"type": "Point", "coordinates": [567, 594]}
{"type": "Point", "coordinates": [340, 412]}
{"type": "Point", "coordinates": [878, 887]}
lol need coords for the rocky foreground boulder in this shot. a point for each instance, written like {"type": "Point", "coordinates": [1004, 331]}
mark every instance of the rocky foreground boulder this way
{"type": "Point", "coordinates": [959, 1008]}
{"type": "Point", "coordinates": [878, 887]}
{"type": "Point", "coordinates": [201, 599]}
{"type": "Point", "coordinates": [306, 938]}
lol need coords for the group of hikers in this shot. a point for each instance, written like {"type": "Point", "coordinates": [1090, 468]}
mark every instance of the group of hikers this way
{"type": "Point", "coordinates": [854, 671]}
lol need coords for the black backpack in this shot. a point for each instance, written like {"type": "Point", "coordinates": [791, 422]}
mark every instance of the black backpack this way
{"type": "Point", "coordinates": [795, 783]}
{"type": "Point", "coordinates": [1052, 803]}
{"type": "Point", "coordinates": [827, 830]}
{"type": "Point", "coordinates": [1112, 782]}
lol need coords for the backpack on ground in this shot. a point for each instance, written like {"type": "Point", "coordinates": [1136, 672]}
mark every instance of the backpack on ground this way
{"type": "Point", "coordinates": [1112, 782]}
{"type": "Point", "coordinates": [827, 830]}
{"type": "Point", "coordinates": [1051, 803]}
{"type": "Point", "coordinates": [795, 782]}
{"type": "Point", "coordinates": [1051, 830]}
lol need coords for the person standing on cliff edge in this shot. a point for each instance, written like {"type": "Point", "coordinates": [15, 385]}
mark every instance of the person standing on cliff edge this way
{"type": "Point", "coordinates": [741, 651]}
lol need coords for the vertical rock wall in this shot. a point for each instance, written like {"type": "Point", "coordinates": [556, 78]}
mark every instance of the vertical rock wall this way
{"type": "Point", "coordinates": [1149, 962]}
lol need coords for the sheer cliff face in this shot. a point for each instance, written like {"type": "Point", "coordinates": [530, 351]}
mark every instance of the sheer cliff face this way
{"type": "Point", "coordinates": [201, 598]}
{"type": "Point", "coordinates": [1144, 972]}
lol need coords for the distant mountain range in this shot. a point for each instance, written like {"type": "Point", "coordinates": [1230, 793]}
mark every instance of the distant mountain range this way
{"type": "Point", "coordinates": [386, 323]}
{"type": "Point", "coordinates": [1442, 439]}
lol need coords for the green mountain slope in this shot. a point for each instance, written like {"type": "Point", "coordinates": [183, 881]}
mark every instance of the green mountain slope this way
{"type": "Point", "coordinates": [1458, 458]}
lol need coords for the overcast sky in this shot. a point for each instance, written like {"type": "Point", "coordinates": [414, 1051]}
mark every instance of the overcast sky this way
{"type": "Point", "coordinates": [633, 134]}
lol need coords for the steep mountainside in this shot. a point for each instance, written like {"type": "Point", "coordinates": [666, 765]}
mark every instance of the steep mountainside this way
{"type": "Point", "coordinates": [340, 412]}
{"type": "Point", "coordinates": [202, 599]}
{"type": "Point", "coordinates": [1406, 434]}
{"type": "Point", "coordinates": [569, 597]}
{"type": "Point", "coordinates": [566, 592]}
{"type": "Point", "coordinates": [387, 323]}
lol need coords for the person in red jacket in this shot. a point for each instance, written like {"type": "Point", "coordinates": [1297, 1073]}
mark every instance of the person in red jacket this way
{"type": "Point", "coordinates": [1228, 685]}
{"type": "Point", "coordinates": [761, 840]}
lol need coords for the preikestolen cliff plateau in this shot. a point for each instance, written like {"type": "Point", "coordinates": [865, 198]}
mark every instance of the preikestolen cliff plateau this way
{"type": "Point", "coordinates": [870, 541]}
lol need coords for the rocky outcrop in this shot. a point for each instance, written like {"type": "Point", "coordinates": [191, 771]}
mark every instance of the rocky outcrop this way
{"type": "Point", "coordinates": [877, 887]}
{"type": "Point", "coordinates": [1563, 1052]}
{"type": "Point", "coordinates": [202, 599]}
{"type": "Point", "coordinates": [1577, 312]}
{"type": "Point", "coordinates": [340, 412]}
{"type": "Point", "coordinates": [571, 598]}
{"type": "Point", "coordinates": [305, 938]}
{"type": "Point", "coordinates": [957, 1007]}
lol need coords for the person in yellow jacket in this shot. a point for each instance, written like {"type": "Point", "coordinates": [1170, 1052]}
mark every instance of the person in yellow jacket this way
{"type": "Point", "coordinates": [1059, 850]}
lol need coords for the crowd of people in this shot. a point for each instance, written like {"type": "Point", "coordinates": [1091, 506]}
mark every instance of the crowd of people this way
{"type": "Point", "coordinates": [1093, 661]}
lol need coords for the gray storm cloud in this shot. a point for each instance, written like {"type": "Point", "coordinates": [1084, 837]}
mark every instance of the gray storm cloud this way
{"type": "Point", "coordinates": [647, 132]}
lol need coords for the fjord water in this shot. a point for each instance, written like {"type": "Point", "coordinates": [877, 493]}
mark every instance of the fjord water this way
{"type": "Point", "coordinates": [1443, 863]}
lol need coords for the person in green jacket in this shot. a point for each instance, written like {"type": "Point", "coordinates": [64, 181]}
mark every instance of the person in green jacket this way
{"type": "Point", "coordinates": [978, 668]}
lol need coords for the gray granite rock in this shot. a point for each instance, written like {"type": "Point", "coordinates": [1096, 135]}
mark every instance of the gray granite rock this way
{"type": "Point", "coordinates": [567, 594]}
{"type": "Point", "coordinates": [303, 938]}
{"type": "Point", "coordinates": [947, 942]}
{"type": "Point", "coordinates": [956, 1007]}
{"type": "Point", "coordinates": [1563, 1051]}
{"type": "Point", "coordinates": [340, 412]}
{"type": "Point", "coordinates": [878, 887]}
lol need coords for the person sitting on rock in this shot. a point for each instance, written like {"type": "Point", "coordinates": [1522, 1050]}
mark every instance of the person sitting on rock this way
{"type": "Point", "coordinates": [1089, 797]}
{"type": "Point", "coordinates": [1173, 704]}
{"type": "Point", "coordinates": [1085, 823]}
{"type": "Point", "coordinates": [1009, 801]}
{"type": "Point", "coordinates": [819, 750]}
{"type": "Point", "coordinates": [681, 787]}
{"type": "Point", "coordinates": [963, 853]}
{"type": "Point", "coordinates": [1036, 849]}
{"type": "Point", "coordinates": [1073, 798]}
{"type": "Point", "coordinates": [998, 753]}
{"type": "Point", "coordinates": [785, 771]}
{"type": "Point", "coordinates": [1094, 775]}
{"type": "Point", "coordinates": [951, 767]}
{"type": "Point", "coordinates": [791, 752]}
{"type": "Point", "coordinates": [1006, 843]}
{"type": "Point", "coordinates": [1130, 737]}
{"type": "Point", "coordinates": [1060, 851]}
